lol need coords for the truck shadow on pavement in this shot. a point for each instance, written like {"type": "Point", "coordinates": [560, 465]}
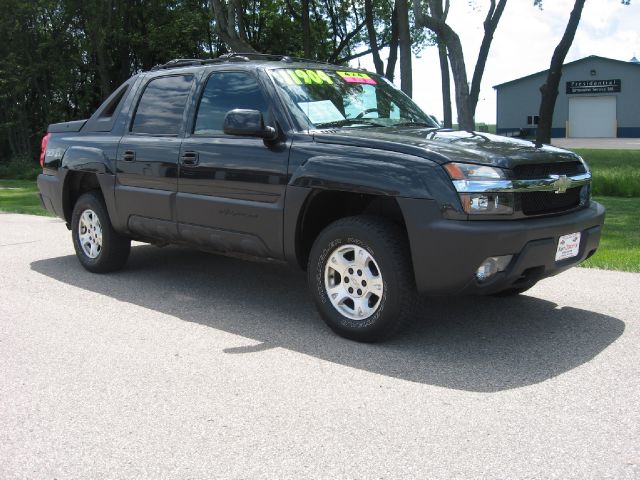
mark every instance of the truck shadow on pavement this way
{"type": "Point", "coordinates": [478, 344]}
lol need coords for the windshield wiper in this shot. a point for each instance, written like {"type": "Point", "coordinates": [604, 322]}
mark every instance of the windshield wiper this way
{"type": "Point", "coordinates": [365, 122]}
{"type": "Point", "coordinates": [415, 124]}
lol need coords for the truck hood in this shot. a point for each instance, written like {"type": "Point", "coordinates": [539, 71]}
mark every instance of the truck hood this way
{"type": "Point", "coordinates": [444, 145]}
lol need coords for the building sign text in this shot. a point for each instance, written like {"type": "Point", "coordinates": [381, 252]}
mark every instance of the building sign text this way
{"type": "Point", "coordinates": [594, 86]}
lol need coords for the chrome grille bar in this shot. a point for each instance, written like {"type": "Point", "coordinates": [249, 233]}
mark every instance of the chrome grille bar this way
{"type": "Point", "coordinates": [553, 183]}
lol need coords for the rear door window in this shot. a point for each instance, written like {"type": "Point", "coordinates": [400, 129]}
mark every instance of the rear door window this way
{"type": "Point", "coordinates": [161, 107]}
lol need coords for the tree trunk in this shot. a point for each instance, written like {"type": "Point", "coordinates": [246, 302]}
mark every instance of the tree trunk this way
{"type": "Point", "coordinates": [373, 41]}
{"type": "Point", "coordinates": [490, 25]}
{"type": "Point", "coordinates": [459, 71]}
{"type": "Point", "coordinates": [306, 29]}
{"type": "Point", "coordinates": [393, 46]}
{"type": "Point", "coordinates": [435, 20]}
{"type": "Point", "coordinates": [242, 29]}
{"type": "Point", "coordinates": [446, 84]}
{"type": "Point", "coordinates": [406, 73]}
{"type": "Point", "coordinates": [549, 89]}
{"type": "Point", "coordinates": [225, 18]}
{"type": "Point", "coordinates": [450, 38]}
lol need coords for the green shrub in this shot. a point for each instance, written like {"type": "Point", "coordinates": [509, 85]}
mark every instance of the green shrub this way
{"type": "Point", "coordinates": [19, 168]}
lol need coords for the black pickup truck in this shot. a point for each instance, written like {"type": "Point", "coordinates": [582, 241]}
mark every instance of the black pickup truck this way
{"type": "Point", "coordinates": [325, 167]}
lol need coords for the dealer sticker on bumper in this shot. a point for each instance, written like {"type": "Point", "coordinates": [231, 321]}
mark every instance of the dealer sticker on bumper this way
{"type": "Point", "coordinates": [568, 246]}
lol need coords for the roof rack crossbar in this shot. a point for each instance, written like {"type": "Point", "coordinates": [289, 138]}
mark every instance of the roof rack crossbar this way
{"type": "Point", "coordinates": [233, 57]}
{"type": "Point", "coordinates": [186, 62]}
{"type": "Point", "coordinates": [271, 56]}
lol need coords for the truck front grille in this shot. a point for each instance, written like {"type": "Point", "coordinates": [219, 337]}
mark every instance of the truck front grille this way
{"type": "Point", "coordinates": [540, 203]}
{"type": "Point", "coordinates": [544, 170]}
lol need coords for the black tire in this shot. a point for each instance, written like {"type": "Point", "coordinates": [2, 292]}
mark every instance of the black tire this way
{"type": "Point", "coordinates": [114, 250]}
{"type": "Point", "coordinates": [387, 245]}
{"type": "Point", "coordinates": [511, 292]}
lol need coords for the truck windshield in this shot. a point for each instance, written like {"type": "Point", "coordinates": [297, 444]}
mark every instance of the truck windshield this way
{"type": "Point", "coordinates": [347, 99]}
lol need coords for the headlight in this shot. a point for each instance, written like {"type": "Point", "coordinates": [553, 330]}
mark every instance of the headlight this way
{"type": "Point", "coordinates": [487, 203]}
{"type": "Point", "coordinates": [474, 184]}
{"type": "Point", "coordinates": [468, 171]}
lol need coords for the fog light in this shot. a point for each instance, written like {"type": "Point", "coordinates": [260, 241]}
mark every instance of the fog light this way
{"type": "Point", "coordinates": [491, 266]}
{"type": "Point", "coordinates": [487, 203]}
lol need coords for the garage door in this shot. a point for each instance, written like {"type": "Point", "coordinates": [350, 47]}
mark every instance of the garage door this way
{"type": "Point", "coordinates": [592, 117]}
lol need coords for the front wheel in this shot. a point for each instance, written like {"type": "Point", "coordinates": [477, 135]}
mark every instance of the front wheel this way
{"type": "Point", "coordinates": [98, 246]}
{"type": "Point", "coordinates": [361, 278]}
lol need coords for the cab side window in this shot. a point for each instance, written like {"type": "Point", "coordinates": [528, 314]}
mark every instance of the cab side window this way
{"type": "Point", "coordinates": [162, 105]}
{"type": "Point", "coordinates": [226, 91]}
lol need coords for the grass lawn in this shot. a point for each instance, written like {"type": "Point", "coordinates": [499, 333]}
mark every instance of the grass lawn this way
{"type": "Point", "coordinates": [20, 196]}
{"type": "Point", "coordinates": [620, 243]}
{"type": "Point", "coordinates": [616, 173]}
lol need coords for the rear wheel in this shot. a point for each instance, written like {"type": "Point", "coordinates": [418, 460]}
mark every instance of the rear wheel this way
{"type": "Point", "coordinates": [98, 246]}
{"type": "Point", "coordinates": [361, 278]}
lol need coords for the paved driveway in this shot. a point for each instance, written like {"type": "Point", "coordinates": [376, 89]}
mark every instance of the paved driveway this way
{"type": "Point", "coordinates": [600, 143]}
{"type": "Point", "coordinates": [186, 365]}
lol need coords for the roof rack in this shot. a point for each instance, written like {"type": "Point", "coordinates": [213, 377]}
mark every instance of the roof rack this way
{"type": "Point", "coordinates": [267, 56]}
{"type": "Point", "coordinates": [233, 57]}
{"type": "Point", "coordinates": [184, 62]}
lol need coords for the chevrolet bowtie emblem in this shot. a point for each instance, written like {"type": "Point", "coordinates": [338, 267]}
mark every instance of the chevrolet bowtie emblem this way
{"type": "Point", "coordinates": [561, 184]}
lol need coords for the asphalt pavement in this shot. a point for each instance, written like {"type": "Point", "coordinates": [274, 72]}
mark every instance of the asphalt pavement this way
{"type": "Point", "coordinates": [187, 366]}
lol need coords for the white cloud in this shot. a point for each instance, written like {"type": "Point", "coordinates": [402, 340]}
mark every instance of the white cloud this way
{"type": "Point", "coordinates": [523, 44]}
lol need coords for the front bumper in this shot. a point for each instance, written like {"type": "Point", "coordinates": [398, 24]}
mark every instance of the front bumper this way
{"type": "Point", "coordinates": [446, 253]}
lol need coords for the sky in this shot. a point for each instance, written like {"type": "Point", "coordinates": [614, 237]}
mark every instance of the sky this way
{"type": "Point", "coordinates": [523, 44]}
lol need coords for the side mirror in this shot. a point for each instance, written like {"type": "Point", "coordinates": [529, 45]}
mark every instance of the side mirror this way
{"type": "Point", "coordinates": [248, 123]}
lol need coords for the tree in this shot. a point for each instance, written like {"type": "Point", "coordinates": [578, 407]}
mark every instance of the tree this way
{"type": "Point", "coordinates": [59, 59]}
{"type": "Point", "coordinates": [446, 84]}
{"type": "Point", "coordinates": [390, 24]}
{"type": "Point", "coordinates": [444, 72]}
{"type": "Point", "coordinates": [393, 45]}
{"type": "Point", "coordinates": [306, 29]}
{"type": "Point", "coordinates": [406, 71]}
{"type": "Point", "coordinates": [429, 14]}
{"type": "Point", "coordinates": [549, 89]}
{"type": "Point", "coordinates": [373, 40]}
{"type": "Point", "coordinates": [230, 24]}
{"type": "Point", "coordinates": [377, 17]}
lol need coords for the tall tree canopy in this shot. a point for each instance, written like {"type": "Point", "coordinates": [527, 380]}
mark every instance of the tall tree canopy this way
{"type": "Point", "coordinates": [60, 58]}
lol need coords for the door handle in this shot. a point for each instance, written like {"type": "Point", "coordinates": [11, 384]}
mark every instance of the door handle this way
{"type": "Point", "coordinates": [129, 156]}
{"type": "Point", "coordinates": [189, 158]}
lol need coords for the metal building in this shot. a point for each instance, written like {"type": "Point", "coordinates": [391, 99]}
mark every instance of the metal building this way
{"type": "Point", "coordinates": [598, 97]}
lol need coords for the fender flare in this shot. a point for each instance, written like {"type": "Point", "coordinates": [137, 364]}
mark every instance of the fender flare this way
{"type": "Point", "coordinates": [87, 159]}
{"type": "Point", "coordinates": [340, 173]}
{"type": "Point", "coordinates": [92, 161]}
